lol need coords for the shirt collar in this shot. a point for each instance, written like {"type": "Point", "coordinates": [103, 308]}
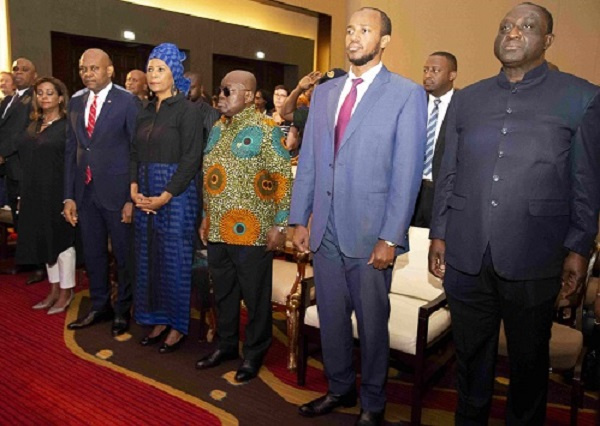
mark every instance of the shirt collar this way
{"type": "Point", "coordinates": [445, 98]}
{"type": "Point", "coordinates": [21, 92]}
{"type": "Point", "coordinates": [243, 115]}
{"type": "Point", "coordinates": [368, 76]}
{"type": "Point", "coordinates": [102, 94]}
{"type": "Point", "coordinates": [170, 100]}
{"type": "Point", "coordinates": [531, 77]}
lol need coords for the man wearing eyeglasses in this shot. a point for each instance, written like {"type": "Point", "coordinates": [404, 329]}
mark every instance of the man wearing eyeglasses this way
{"type": "Point", "coordinates": [247, 183]}
{"type": "Point", "coordinates": [439, 73]}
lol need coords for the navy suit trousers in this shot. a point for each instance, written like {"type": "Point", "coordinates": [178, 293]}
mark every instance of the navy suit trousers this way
{"type": "Point", "coordinates": [97, 224]}
{"type": "Point", "coordinates": [345, 285]}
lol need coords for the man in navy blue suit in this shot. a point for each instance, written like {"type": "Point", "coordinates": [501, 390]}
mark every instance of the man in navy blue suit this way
{"type": "Point", "coordinates": [101, 127]}
{"type": "Point", "coordinates": [515, 214]}
{"type": "Point", "coordinates": [358, 175]}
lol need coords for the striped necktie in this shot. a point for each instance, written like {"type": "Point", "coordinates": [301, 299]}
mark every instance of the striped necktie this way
{"type": "Point", "coordinates": [90, 132]}
{"type": "Point", "coordinates": [92, 117]}
{"type": "Point", "coordinates": [429, 148]}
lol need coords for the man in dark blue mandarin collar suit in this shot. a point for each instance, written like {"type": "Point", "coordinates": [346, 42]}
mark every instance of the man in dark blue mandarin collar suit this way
{"type": "Point", "coordinates": [358, 175]}
{"type": "Point", "coordinates": [515, 214]}
{"type": "Point", "coordinates": [101, 127]}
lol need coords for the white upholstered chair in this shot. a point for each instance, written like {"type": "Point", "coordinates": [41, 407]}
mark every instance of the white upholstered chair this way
{"type": "Point", "coordinates": [567, 350]}
{"type": "Point", "coordinates": [419, 323]}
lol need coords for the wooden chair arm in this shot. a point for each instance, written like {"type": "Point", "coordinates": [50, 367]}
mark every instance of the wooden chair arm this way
{"type": "Point", "coordinates": [435, 305]}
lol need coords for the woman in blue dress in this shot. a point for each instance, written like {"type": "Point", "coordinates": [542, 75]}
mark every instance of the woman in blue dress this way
{"type": "Point", "coordinates": [166, 156]}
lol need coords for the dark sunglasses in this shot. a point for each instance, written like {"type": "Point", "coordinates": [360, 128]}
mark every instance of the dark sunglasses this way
{"type": "Point", "coordinates": [227, 91]}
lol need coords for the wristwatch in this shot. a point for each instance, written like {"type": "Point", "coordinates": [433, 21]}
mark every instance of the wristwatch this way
{"type": "Point", "coordinates": [389, 243]}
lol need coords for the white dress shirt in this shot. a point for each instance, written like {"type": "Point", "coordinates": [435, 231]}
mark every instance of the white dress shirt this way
{"type": "Point", "coordinates": [361, 89]}
{"type": "Point", "coordinates": [442, 108]}
{"type": "Point", "coordinates": [102, 94]}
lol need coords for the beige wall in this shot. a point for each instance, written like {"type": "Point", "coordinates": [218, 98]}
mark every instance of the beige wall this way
{"type": "Point", "coordinates": [467, 28]}
{"type": "Point", "coordinates": [338, 10]}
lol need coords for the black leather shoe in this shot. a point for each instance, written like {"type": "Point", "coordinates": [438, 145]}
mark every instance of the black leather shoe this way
{"type": "Point", "coordinates": [167, 349]}
{"type": "Point", "coordinates": [327, 403]}
{"type": "Point", "coordinates": [148, 340]}
{"type": "Point", "coordinates": [247, 371]}
{"type": "Point", "coordinates": [120, 325]}
{"type": "Point", "coordinates": [370, 418]}
{"type": "Point", "coordinates": [36, 277]}
{"type": "Point", "coordinates": [215, 358]}
{"type": "Point", "coordinates": [93, 317]}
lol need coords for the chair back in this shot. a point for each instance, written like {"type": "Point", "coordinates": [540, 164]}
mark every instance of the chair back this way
{"type": "Point", "coordinates": [411, 276]}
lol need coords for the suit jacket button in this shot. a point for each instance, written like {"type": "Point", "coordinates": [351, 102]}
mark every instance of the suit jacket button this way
{"type": "Point", "coordinates": [87, 148]}
{"type": "Point", "coordinates": [329, 193]}
{"type": "Point", "coordinates": [494, 203]}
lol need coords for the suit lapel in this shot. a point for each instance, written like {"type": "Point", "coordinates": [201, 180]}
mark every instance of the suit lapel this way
{"type": "Point", "coordinates": [332, 102]}
{"type": "Point", "coordinates": [81, 119]}
{"type": "Point", "coordinates": [12, 106]}
{"type": "Point", "coordinates": [106, 106]}
{"type": "Point", "coordinates": [369, 99]}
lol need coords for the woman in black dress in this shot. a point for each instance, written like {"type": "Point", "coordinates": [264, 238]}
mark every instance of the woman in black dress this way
{"type": "Point", "coordinates": [44, 236]}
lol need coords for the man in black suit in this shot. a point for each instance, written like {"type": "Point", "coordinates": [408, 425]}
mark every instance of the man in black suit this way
{"type": "Point", "coordinates": [515, 214]}
{"type": "Point", "coordinates": [439, 73]}
{"type": "Point", "coordinates": [14, 119]}
{"type": "Point", "coordinates": [102, 120]}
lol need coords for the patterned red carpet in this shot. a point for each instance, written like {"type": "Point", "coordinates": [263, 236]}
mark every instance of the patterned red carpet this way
{"type": "Point", "coordinates": [43, 383]}
{"type": "Point", "coordinates": [49, 375]}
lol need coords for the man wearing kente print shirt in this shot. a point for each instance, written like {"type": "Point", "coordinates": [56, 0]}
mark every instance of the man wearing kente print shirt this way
{"type": "Point", "coordinates": [247, 185]}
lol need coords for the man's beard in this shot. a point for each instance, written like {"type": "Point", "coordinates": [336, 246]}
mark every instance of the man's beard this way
{"type": "Point", "coordinates": [359, 62]}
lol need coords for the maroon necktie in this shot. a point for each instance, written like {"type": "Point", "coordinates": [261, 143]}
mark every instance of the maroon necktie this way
{"type": "Point", "coordinates": [346, 113]}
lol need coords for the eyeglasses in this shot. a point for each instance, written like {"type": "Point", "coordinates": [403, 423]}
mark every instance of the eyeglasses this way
{"type": "Point", "coordinates": [227, 91]}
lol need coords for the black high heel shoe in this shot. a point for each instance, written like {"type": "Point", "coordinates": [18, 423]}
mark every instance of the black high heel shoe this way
{"type": "Point", "coordinates": [166, 349]}
{"type": "Point", "coordinates": [148, 341]}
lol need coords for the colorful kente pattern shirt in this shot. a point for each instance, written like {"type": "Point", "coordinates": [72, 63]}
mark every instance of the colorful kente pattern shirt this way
{"type": "Point", "coordinates": [247, 179]}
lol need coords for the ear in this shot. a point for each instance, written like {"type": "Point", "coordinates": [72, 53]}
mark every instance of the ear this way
{"type": "Point", "coordinates": [548, 40]}
{"type": "Point", "coordinates": [110, 70]}
{"type": "Point", "coordinates": [249, 97]}
{"type": "Point", "coordinates": [452, 75]}
{"type": "Point", "coordinates": [385, 40]}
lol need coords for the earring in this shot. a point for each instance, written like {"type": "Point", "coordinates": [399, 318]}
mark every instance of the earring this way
{"type": "Point", "coordinates": [173, 90]}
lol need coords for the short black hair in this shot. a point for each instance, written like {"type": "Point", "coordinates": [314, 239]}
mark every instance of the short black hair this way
{"type": "Point", "coordinates": [546, 13]}
{"type": "Point", "coordinates": [386, 23]}
{"type": "Point", "coordinates": [450, 57]}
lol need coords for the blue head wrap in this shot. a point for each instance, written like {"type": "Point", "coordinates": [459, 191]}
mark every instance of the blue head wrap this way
{"type": "Point", "coordinates": [170, 54]}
